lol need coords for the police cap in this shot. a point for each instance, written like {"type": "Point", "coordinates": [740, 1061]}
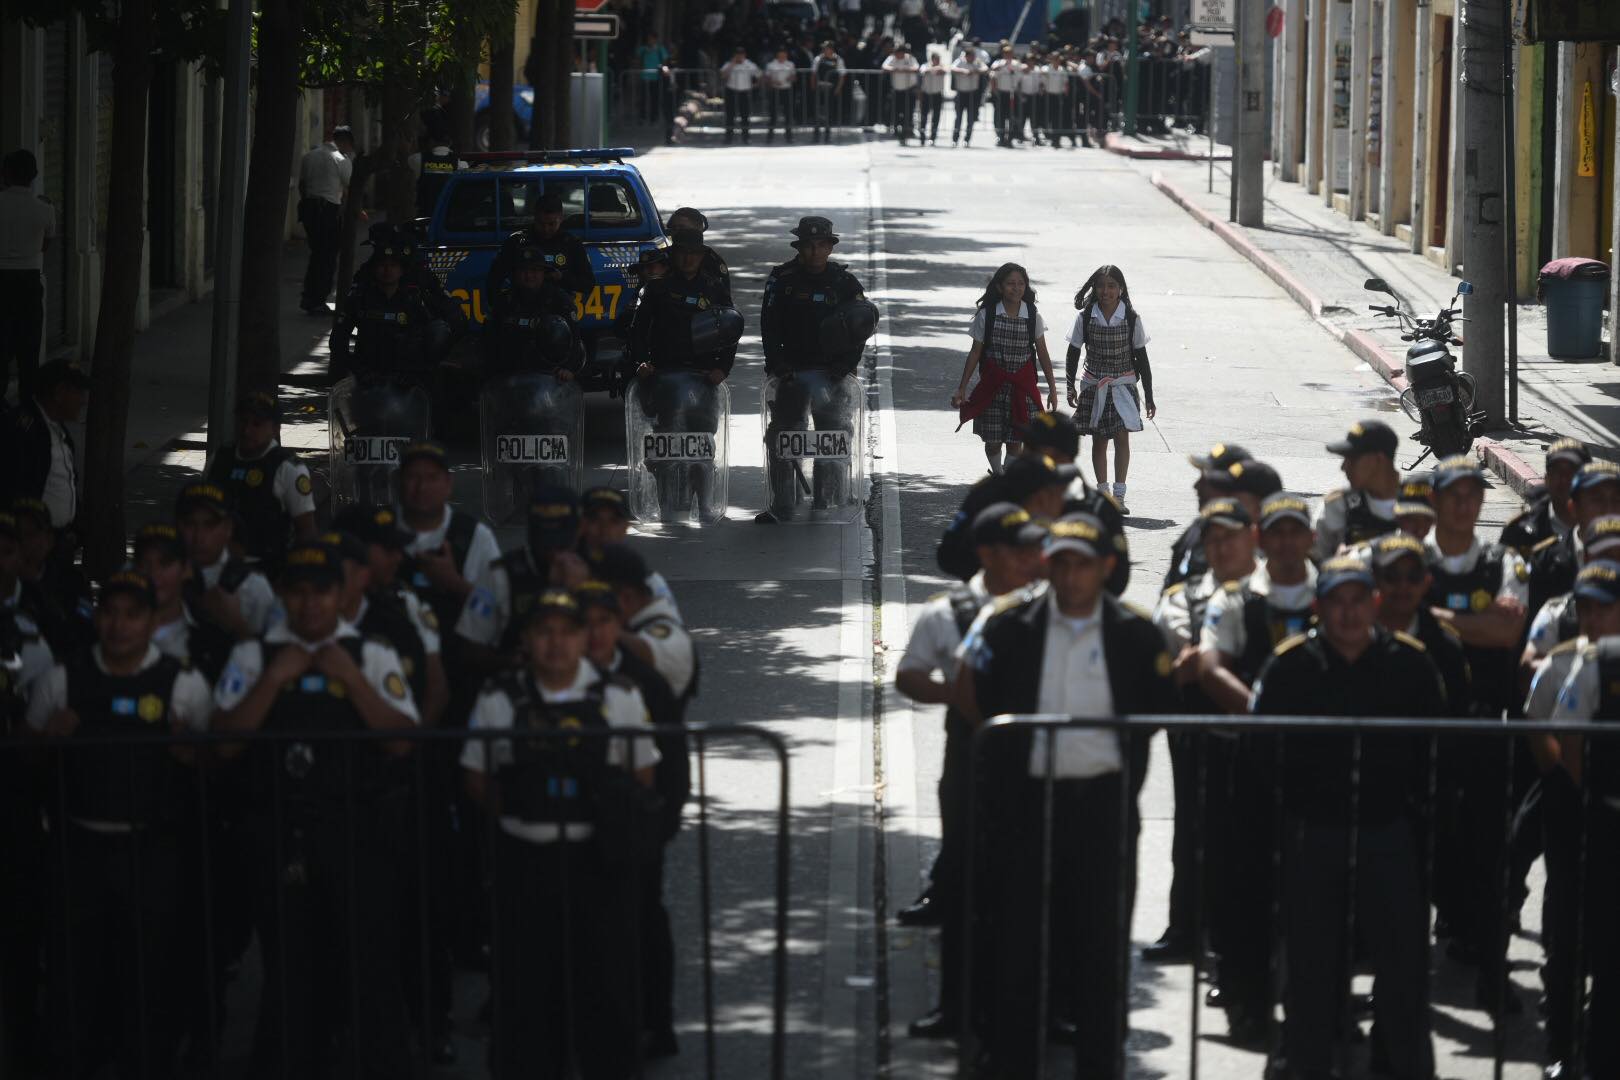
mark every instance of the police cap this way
{"type": "Point", "coordinates": [1006, 523]}
{"type": "Point", "coordinates": [35, 510]}
{"type": "Point", "coordinates": [1342, 570]}
{"type": "Point", "coordinates": [1366, 437]}
{"type": "Point", "coordinates": [813, 228]}
{"type": "Point", "coordinates": [1052, 431]}
{"type": "Point", "coordinates": [1599, 580]}
{"type": "Point", "coordinates": [618, 565]}
{"type": "Point", "coordinates": [205, 496]}
{"type": "Point", "coordinates": [1391, 548]}
{"type": "Point", "coordinates": [686, 240]}
{"type": "Point", "coordinates": [1416, 497]}
{"type": "Point", "coordinates": [162, 537]}
{"type": "Point", "coordinates": [1457, 468]}
{"type": "Point", "coordinates": [1247, 477]}
{"type": "Point", "coordinates": [1081, 533]}
{"type": "Point", "coordinates": [1225, 513]}
{"type": "Point", "coordinates": [374, 525]}
{"type": "Point", "coordinates": [1600, 534]}
{"type": "Point", "coordinates": [555, 602]}
{"type": "Point", "coordinates": [1029, 473]}
{"type": "Point", "coordinates": [1572, 451]}
{"type": "Point", "coordinates": [553, 518]}
{"type": "Point", "coordinates": [1594, 473]}
{"type": "Point", "coordinates": [597, 594]}
{"type": "Point", "coordinates": [1284, 506]}
{"type": "Point", "coordinates": [313, 561]}
{"type": "Point", "coordinates": [130, 583]}
{"type": "Point", "coordinates": [605, 498]}
{"type": "Point", "coordinates": [348, 546]}
{"type": "Point", "coordinates": [688, 213]}
{"type": "Point", "coordinates": [259, 404]}
{"type": "Point", "coordinates": [425, 450]}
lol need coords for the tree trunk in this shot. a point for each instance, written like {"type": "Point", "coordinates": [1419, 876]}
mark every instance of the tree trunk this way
{"type": "Point", "coordinates": [562, 70]}
{"type": "Point", "coordinates": [264, 208]}
{"type": "Point", "coordinates": [550, 63]}
{"type": "Point", "coordinates": [501, 59]}
{"type": "Point", "coordinates": [101, 515]}
{"type": "Point", "coordinates": [396, 183]}
{"type": "Point", "coordinates": [350, 221]}
{"type": "Point", "coordinates": [464, 90]}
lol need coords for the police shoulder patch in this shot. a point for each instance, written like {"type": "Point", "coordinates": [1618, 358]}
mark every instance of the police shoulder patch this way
{"type": "Point", "coordinates": [302, 483]}
{"type": "Point", "coordinates": [1521, 571]}
{"type": "Point", "coordinates": [428, 617]}
{"type": "Point", "coordinates": [1408, 640]}
{"type": "Point", "coordinates": [660, 630]}
{"type": "Point", "coordinates": [1163, 665]}
{"type": "Point", "coordinates": [394, 686]}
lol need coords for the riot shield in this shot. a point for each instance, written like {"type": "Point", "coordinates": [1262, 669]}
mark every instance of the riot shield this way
{"type": "Point", "coordinates": [532, 430]}
{"type": "Point", "coordinates": [370, 420]}
{"type": "Point", "coordinates": [675, 434]}
{"type": "Point", "coordinates": [814, 462]}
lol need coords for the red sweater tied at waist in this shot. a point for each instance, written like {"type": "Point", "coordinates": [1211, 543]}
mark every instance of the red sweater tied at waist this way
{"type": "Point", "coordinates": [992, 378]}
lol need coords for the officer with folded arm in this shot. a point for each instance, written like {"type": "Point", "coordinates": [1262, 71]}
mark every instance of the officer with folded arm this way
{"type": "Point", "coordinates": [228, 591]}
{"type": "Point", "coordinates": [266, 483]}
{"type": "Point", "coordinates": [1365, 506]}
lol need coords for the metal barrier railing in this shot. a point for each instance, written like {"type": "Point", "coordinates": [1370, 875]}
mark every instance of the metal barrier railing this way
{"type": "Point", "coordinates": [320, 850]}
{"type": "Point", "coordinates": [1175, 93]}
{"type": "Point", "coordinates": [1059, 924]}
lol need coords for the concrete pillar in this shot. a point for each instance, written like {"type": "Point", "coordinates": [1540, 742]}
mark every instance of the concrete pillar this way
{"type": "Point", "coordinates": [1458, 151]}
{"type": "Point", "coordinates": [1400, 92]}
{"type": "Point", "coordinates": [1576, 212]}
{"type": "Point", "coordinates": [84, 264]}
{"type": "Point", "coordinates": [1360, 80]}
{"type": "Point", "coordinates": [1614, 242]}
{"type": "Point", "coordinates": [1564, 154]}
{"type": "Point", "coordinates": [1248, 153]}
{"type": "Point", "coordinates": [1330, 144]}
{"type": "Point", "coordinates": [1291, 91]}
{"type": "Point", "coordinates": [1315, 79]}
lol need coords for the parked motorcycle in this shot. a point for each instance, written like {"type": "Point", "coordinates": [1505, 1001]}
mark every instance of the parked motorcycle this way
{"type": "Point", "coordinates": [1438, 397]}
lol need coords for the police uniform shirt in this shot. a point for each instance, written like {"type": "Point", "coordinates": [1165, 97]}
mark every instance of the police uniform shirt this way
{"type": "Point", "coordinates": [1515, 576]}
{"type": "Point", "coordinates": [622, 707]}
{"type": "Point", "coordinates": [417, 612]}
{"type": "Point", "coordinates": [482, 550]}
{"type": "Point", "coordinates": [61, 491]}
{"type": "Point", "coordinates": [976, 331]}
{"type": "Point", "coordinates": [1545, 632]}
{"type": "Point", "coordinates": [257, 600]}
{"type": "Point", "coordinates": [1074, 682]}
{"type": "Point", "coordinates": [659, 625]}
{"type": "Point", "coordinates": [1223, 629]}
{"type": "Point", "coordinates": [1173, 613]}
{"type": "Point", "coordinates": [1333, 518]}
{"type": "Point", "coordinates": [174, 638]}
{"type": "Point", "coordinates": [1582, 693]}
{"type": "Point", "coordinates": [935, 638]}
{"type": "Point", "coordinates": [1004, 75]}
{"type": "Point", "coordinates": [902, 71]}
{"type": "Point", "coordinates": [379, 665]}
{"type": "Point", "coordinates": [1550, 677]}
{"type": "Point", "coordinates": [291, 485]}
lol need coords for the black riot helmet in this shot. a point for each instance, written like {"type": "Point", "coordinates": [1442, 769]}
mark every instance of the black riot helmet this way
{"type": "Point", "coordinates": [849, 327]}
{"type": "Point", "coordinates": [555, 336]}
{"type": "Point", "coordinates": [716, 328]}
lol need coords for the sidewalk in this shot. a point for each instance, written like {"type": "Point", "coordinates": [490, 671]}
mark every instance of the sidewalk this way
{"type": "Point", "coordinates": [168, 394]}
{"type": "Point", "coordinates": [1321, 258]}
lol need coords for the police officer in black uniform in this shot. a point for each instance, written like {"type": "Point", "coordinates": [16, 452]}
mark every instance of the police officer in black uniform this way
{"type": "Point", "coordinates": [684, 322]}
{"type": "Point", "coordinates": [230, 592]}
{"type": "Point", "coordinates": [686, 217]}
{"type": "Point", "coordinates": [1594, 493]}
{"type": "Point", "coordinates": [54, 591]}
{"type": "Point", "coordinates": [1365, 507]}
{"type": "Point", "coordinates": [266, 483]}
{"type": "Point", "coordinates": [120, 809]}
{"type": "Point", "coordinates": [1548, 514]}
{"type": "Point", "coordinates": [1116, 665]}
{"type": "Point", "coordinates": [439, 161]}
{"type": "Point", "coordinates": [565, 905]}
{"type": "Point", "coordinates": [328, 826]}
{"type": "Point", "coordinates": [531, 324]}
{"type": "Point", "coordinates": [672, 780]}
{"type": "Point", "coordinates": [1187, 552]}
{"type": "Point", "coordinates": [800, 334]}
{"type": "Point", "coordinates": [401, 319]}
{"type": "Point", "coordinates": [568, 264]}
{"type": "Point", "coordinates": [1341, 788]}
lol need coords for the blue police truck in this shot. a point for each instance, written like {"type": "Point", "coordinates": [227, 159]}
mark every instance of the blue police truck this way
{"type": "Point", "coordinates": [606, 204]}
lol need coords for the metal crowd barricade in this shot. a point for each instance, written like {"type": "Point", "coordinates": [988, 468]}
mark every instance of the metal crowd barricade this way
{"type": "Point", "coordinates": [39, 830]}
{"type": "Point", "coordinates": [990, 784]}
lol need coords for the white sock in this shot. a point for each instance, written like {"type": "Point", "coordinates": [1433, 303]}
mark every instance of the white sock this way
{"type": "Point", "coordinates": [1119, 492]}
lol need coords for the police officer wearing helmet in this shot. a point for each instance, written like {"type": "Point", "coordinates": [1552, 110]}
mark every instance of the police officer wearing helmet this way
{"type": "Point", "coordinates": [493, 619]}
{"type": "Point", "coordinates": [563, 887]}
{"type": "Point", "coordinates": [400, 318]}
{"type": "Point", "coordinates": [815, 317]}
{"type": "Point", "coordinates": [685, 217]}
{"type": "Point", "coordinates": [531, 324]}
{"type": "Point", "coordinates": [568, 264]}
{"type": "Point", "coordinates": [672, 780]}
{"type": "Point", "coordinates": [1365, 507]}
{"type": "Point", "coordinates": [1008, 543]}
{"type": "Point", "coordinates": [228, 591]}
{"type": "Point", "coordinates": [265, 481]}
{"type": "Point", "coordinates": [1070, 650]}
{"type": "Point", "coordinates": [328, 823]}
{"type": "Point", "coordinates": [1582, 819]}
{"type": "Point", "coordinates": [119, 807]}
{"type": "Point", "coordinates": [1335, 787]}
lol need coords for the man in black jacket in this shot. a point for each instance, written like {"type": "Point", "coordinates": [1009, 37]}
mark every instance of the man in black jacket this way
{"type": "Point", "coordinates": [1071, 650]}
{"type": "Point", "coordinates": [42, 451]}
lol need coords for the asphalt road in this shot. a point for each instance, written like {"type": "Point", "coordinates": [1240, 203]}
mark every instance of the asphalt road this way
{"type": "Point", "coordinates": [799, 624]}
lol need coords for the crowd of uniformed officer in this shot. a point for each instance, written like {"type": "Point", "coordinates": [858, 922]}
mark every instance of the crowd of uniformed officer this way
{"type": "Point", "coordinates": [1301, 855]}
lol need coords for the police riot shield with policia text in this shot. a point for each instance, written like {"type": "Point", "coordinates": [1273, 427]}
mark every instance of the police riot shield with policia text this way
{"type": "Point", "coordinates": [370, 421]}
{"type": "Point", "coordinates": [675, 432]}
{"type": "Point", "coordinates": [814, 466]}
{"type": "Point", "coordinates": [533, 435]}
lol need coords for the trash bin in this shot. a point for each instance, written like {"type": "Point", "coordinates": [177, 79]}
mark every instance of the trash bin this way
{"type": "Point", "coordinates": [1574, 291]}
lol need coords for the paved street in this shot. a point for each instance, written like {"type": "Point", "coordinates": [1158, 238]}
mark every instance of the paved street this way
{"type": "Point", "coordinates": [799, 624]}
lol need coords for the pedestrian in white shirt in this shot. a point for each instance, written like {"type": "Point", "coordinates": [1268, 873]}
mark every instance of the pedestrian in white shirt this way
{"type": "Point", "coordinates": [967, 79]}
{"type": "Point", "coordinates": [1055, 98]}
{"type": "Point", "coordinates": [739, 76]}
{"type": "Point", "coordinates": [901, 68]}
{"type": "Point", "coordinates": [323, 184]}
{"type": "Point", "coordinates": [1004, 94]}
{"type": "Point", "coordinates": [27, 225]}
{"type": "Point", "coordinates": [932, 99]}
{"type": "Point", "coordinates": [827, 74]}
{"type": "Point", "coordinates": [780, 76]}
{"type": "Point", "coordinates": [1030, 76]}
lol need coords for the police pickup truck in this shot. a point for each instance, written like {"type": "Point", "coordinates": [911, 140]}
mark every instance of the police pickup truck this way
{"type": "Point", "coordinates": [606, 204]}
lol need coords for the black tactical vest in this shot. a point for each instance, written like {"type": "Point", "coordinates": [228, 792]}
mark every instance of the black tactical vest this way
{"type": "Point", "coordinates": [264, 526]}
{"type": "Point", "coordinates": [459, 535]}
{"type": "Point", "coordinates": [133, 784]}
{"type": "Point", "coordinates": [1264, 628]}
{"type": "Point", "coordinates": [525, 583]}
{"type": "Point", "coordinates": [551, 780]}
{"type": "Point", "coordinates": [1360, 523]}
{"type": "Point", "coordinates": [387, 618]}
{"type": "Point", "coordinates": [1603, 755]}
{"type": "Point", "coordinates": [1495, 671]}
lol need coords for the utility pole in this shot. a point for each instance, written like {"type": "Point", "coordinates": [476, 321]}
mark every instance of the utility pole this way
{"type": "Point", "coordinates": [1249, 144]}
{"type": "Point", "coordinates": [1133, 69]}
{"type": "Point", "coordinates": [1482, 82]}
{"type": "Point", "coordinates": [227, 237]}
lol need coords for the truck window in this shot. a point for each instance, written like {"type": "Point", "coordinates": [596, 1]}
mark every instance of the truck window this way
{"type": "Point", "coordinates": [471, 207]}
{"type": "Point", "coordinates": [520, 199]}
{"type": "Point", "coordinates": [613, 204]}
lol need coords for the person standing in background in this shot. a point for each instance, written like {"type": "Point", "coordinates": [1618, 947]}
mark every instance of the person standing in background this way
{"type": "Point", "coordinates": [27, 226]}
{"type": "Point", "coordinates": [323, 184]}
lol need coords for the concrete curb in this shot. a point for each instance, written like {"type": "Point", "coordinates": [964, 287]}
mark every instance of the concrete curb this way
{"type": "Point", "coordinates": [1115, 143]}
{"type": "Point", "coordinates": [1512, 469]}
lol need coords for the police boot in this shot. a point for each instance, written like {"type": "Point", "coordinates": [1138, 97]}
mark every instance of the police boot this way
{"type": "Point", "coordinates": [702, 481]}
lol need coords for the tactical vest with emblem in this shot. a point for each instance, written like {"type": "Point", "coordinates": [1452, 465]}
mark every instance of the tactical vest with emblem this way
{"type": "Point", "coordinates": [264, 526]}
{"type": "Point", "coordinates": [1603, 755]}
{"type": "Point", "coordinates": [235, 572]}
{"type": "Point", "coordinates": [1361, 524]}
{"type": "Point", "coordinates": [387, 618]}
{"type": "Point", "coordinates": [1265, 626]}
{"type": "Point", "coordinates": [134, 784]}
{"type": "Point", "coordinates": [551, 778]}
{"type": "Point", "coordinates": [524, 584]}
{"type": "Point", "coordinates": [1495, 671]}
{"type": "Point", "coordinates": [459, 535]}
{"type": "Point", "coordinates": [799, 302]}
{"type": "Point", "coordinates": [671, 623]}
{"type": "Point", "coordinates": [1194, 699]}
{"type": "Point", "coordinates": [318, 778]}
